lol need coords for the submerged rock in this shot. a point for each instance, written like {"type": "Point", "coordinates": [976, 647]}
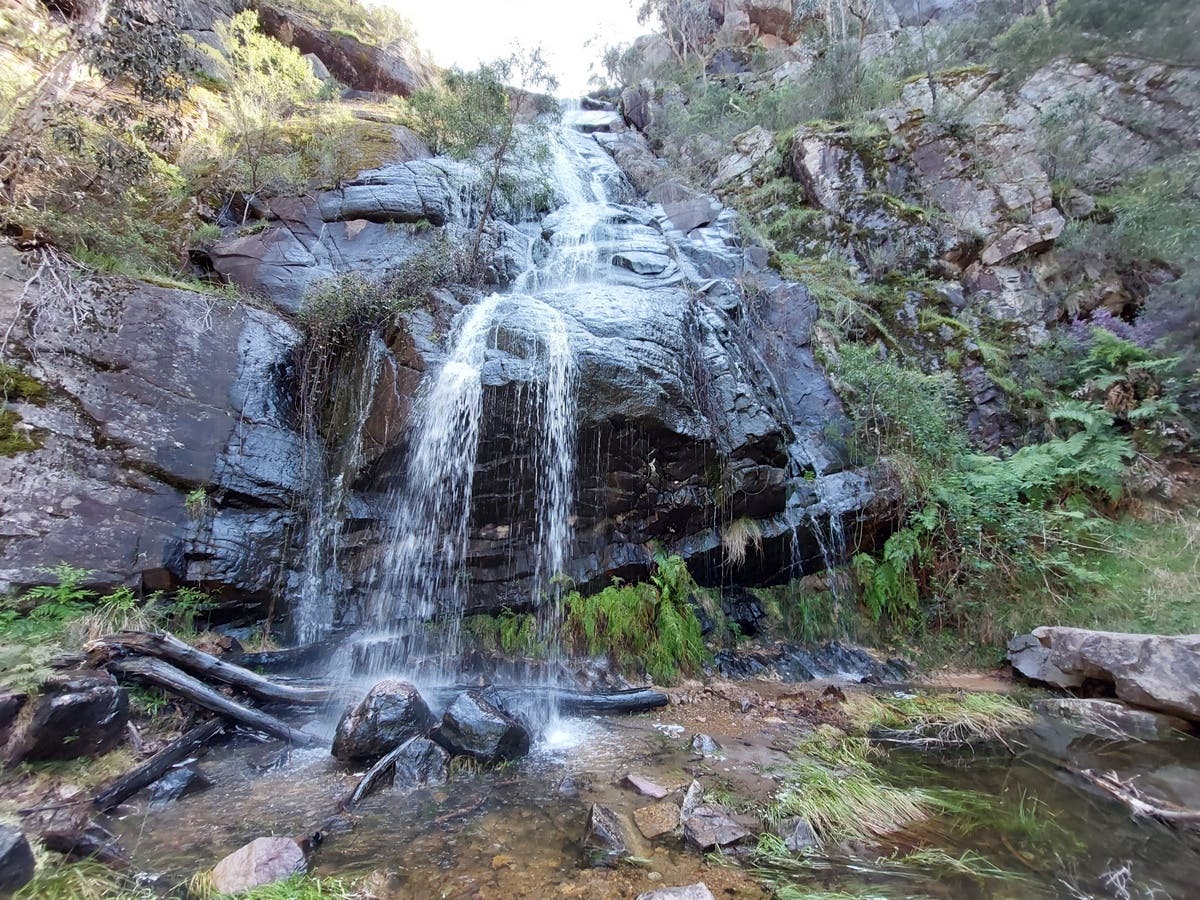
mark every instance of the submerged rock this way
{"type": "Point", "coordinates": [79, 714]}
{"type": "Point", "coordinates": [1111, 719]}
{"type": "Point", "coordinates": [16, 860]}
{"type": "Point", "coordinates": [707, 829]}
{"type": "Point", "coordinates": [606, 841]}
{"type": "Point", "coordinates": [264, 860]}
{"type": "Point", "coordinates": [178, 782]}
{"type": "Point", "coordinates": [697, 891]}
{"type": "Point", "coordinates": [1156, 671]}
{"type": "Point", "coordinates": [422, 762]}
{"type": "Point", "coordinates": [475, 725]}
{"type": "Point", "coordinates": [656, 819]}
{"type": "Point", "coordinates": [391, 713]}
{"type": "Point", "coordinates": [797, 835]}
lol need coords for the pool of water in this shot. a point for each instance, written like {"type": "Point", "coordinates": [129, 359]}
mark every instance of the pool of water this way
{"type": "Point", "coordinates": [517, 831]}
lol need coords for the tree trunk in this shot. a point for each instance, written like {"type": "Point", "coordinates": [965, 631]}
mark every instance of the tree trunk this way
{"type": "Point", "coordinates": [172, 679]}
{"type": "Point", "coordinates": [205, 665]}
{"type": "Point", "coordinates": [121, 789]}
{"type": "Point", "coordinates": [49, 92]}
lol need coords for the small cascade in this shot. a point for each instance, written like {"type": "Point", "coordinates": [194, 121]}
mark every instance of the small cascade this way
{"type": "Point", "coordinates": [320, 580]}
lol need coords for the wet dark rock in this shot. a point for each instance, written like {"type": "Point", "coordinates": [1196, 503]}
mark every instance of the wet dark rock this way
{"type": "Point", "coordinates": [179, 782]}
{"type": "Point", "coordinates": [264, 860]}
{"type": "Point", "coordinates": [1158, 672]}
{"type": "Point", "coordinates": [16, 860]}
{"type": "Point", "coordinates": [743, 610]}
{"type": "Point", "coordinates": [476, 726]}
{"type": "Point", "coordinates": [796, 662]}
{"type": "Point", "coordinates": [569, 787]}
{"type": "Point", "coordinates": [80, 714]}
{"type": "Point", "coordinates": [705, 745]}
{"type": "Point", "coordinates": [88, 840]}
{"type": "Point", "coordinates": [708, 829]}
{"type": "Point", "coordinates": [606, 841]}
{"type": "Point", "coordinates": [697, 891]}
{"type": "Point", "coordinates": [11, 705]}
{"type": "Point", "coordinates": [391, 713]}
{"type": "Point", "coordinates": [422, 762]}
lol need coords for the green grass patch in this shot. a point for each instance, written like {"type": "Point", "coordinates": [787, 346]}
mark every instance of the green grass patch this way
{"type": "Point", "coordinates": [941, 718]}
{"type": "Point", "coordinates": [837, 785]}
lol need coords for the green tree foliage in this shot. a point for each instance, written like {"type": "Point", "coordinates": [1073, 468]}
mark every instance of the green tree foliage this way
{"type": "Point", "coordinates": [479, 112]}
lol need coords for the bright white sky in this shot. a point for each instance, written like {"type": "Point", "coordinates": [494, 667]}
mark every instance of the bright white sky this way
{"type": "Point", "coordinates": [465, 33]}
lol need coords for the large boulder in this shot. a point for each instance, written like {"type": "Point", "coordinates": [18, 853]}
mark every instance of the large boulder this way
{"type": "Point", "coordinates": [80, 714]}
{"type": "Point", "coordinates": [1156, 671]}
{"type": "Point", "coordinates": [264, 860]}
{"type": "Point", "coordinates": [392, 712]}
{"type": "Point", "coordinates": [475, 725]}
{"type": "Point", "coordinates": [16, 860]}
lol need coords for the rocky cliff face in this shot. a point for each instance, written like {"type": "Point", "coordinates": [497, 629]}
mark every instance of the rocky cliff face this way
{"type": "Point", "coordinates": [173, 449]}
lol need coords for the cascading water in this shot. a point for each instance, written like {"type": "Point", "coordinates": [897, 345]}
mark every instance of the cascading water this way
{"type": "Point", "coordinates": [519, 341]}
{"type": "Point", "coordinates": [318, 590]}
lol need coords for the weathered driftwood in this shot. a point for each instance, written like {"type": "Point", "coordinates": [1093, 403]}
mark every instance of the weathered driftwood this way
{"type": "Point", "coordinates": [120, 789]}
{"type": "Point", "coordinates": [1165, 812]}
{"type": "Point", "coordinates": [166, 676]}
{"type": "Point", "coordinates": [287, 658]}
{"type": "Point", "coordinates": [204, 665]}
{"type": "Point", "coordinates": [374, 776]}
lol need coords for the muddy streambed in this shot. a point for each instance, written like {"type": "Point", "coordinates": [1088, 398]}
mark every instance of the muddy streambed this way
{"type": "Point", "coordinates": [1023, 826]}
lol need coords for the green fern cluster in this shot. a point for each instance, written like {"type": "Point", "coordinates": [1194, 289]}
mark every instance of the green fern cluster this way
{"type": "Point", "coordinates": [650, 626]}
{"type": "Point", "coordinates": [980, 519]}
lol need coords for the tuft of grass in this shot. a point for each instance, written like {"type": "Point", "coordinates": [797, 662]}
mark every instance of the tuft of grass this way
{"type": "Point", "coordinates": [57, 879]}
{"type": "Point", "coordinates": [943, 718]}
{"type": "Point", "coordinates": [739, 536]}
{"type": "Point", "coordinates": [836, 786]}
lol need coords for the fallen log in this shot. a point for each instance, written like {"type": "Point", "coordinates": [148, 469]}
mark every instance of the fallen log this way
{"type": "Point", "coordinates": [1163, 811]}
{"type": "Point", "coordinates": [166, 676]}
{"type": "Point", "coordinates": [613, 703]}
{"type": "Point", "coordinates": [168, 647]}
{"type": "Point", "coordinates": [120, 789]}
{"type": "Point", "coordinates": [374, 776]}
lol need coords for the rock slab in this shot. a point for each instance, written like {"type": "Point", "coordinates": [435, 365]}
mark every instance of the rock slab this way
{"type": "Point", "coordinates": [707, 829]}
{"type": "Point", "coordinates": [1156, 671]}
{"type": "Point", "coordinates": [264, 860]}
{"type": "Point", "coordinates": [391, 713]}
{"type": "Point", "coordinates": [16, 860]}
{"type": "Point", "coordinates": [606, 842]}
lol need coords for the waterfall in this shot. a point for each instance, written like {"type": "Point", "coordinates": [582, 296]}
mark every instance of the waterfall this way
{"type": "Point", "coordinates": [319, 584]}
{"type": "Point", "coordinates": [517, 343]}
